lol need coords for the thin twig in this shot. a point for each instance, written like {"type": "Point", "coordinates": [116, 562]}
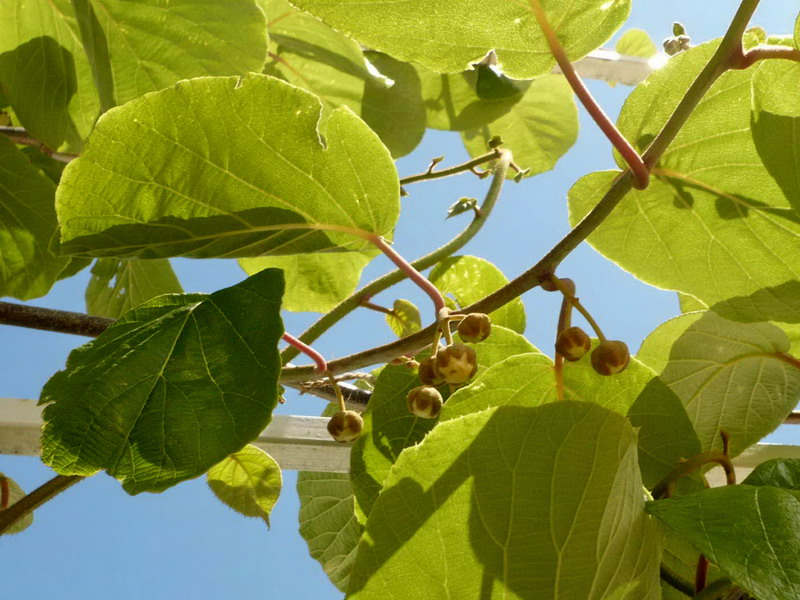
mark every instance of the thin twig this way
{"type": "Point", "coordinates": [35, 499]}
{"type": "Point", "coordinates": [19, 135]}
{"type": "Point", "coordinates": [467, 166]}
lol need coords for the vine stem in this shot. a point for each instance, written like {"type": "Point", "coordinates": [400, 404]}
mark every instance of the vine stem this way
{"type": "Point", "coordinates": [352, 302]}
{"type": "Point", "coordinates": [35, 499]}
{"type": "Point", "coordinates": [407, 268]}
{"type": "Point", "coordinates": [627, 151]}
{"type": "Point", "coordinates": [467, 166]}
{"type": "Point", "coordinates": [319, 360]}
{"type": "Point", "coordinates": [727, 55]}
{"type": "Point", "coordinates": [768, 52]}
{"type": "Point", "coordinates": [574, 301]}
{"type": "Point", "coordinates": [19, 135]}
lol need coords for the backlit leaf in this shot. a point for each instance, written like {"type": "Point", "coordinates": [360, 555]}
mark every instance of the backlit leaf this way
{"type": "Point", "coordinates": [405, 319]}
{"type": "Point", "coordinates": [249, 481]}
{"type": "Point", "coordinates": [460, 32]}
{"type": "Point", "coordinates": [513, 502]}
{"type": "Point", "coordinates": [11, 493]}
{"type": "Point", "coordinates": [227, 168]}
{"type": "Point", "coordinates": [636, 42]}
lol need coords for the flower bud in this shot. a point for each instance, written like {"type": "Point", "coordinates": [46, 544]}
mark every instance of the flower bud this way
{"type": "Point", "coordinates": [427, 373]}
{"type": "Point", "coordinates": [345, 426]}
{"type": "Point", "coordinates": [424, 402]}
{"type": "Point", "coordinates": [456, 363]}
{"type": "Point", "coordinates": [610, 357]}
{"type": "Point", "coordinates": [573, 343]}
{"type": "Point", "coordinates": [475, 327]}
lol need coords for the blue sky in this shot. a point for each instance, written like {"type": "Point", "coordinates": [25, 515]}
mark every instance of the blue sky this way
{"type": "Point", "coordinates": [95, 541]}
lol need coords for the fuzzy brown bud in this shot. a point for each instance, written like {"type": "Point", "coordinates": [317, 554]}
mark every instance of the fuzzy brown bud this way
{"type": "Point", "coordinates": [345, 426]}
{"type": "Point", "coordinates": [610, 357]}
{"type": "Point", "coordinates": [456, 363]}
{"type": "Point", "coordinates": [427, 373]}
{"type": "Point", "coordinates": [475, 327]}
{"type": "Point", "coordinates": [573, 343]}
{"type": "Point", "coordinates": [424, 402]}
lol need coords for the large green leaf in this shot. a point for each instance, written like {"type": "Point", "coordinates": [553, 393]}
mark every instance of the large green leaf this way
{"type": "Point", "coordinates": [776, 123]}
{"type": "Point", "coordinates": [11, 493]}
{"type": "Point", "coordinates": [452, 102]}
{"type": "Point", "coordinates": [45, 73]}
{"type": "Point", "coordinates": [468, 279]}
{"type": "Point", "coordinates": [389, 427]}
{"type": "Point", "coordinates": [117, 286]}
{"type": "Point", "coordinates": [732, 377]}
{"type": "Point", "coordinates": [539, 129]}
{"type": "Point", "coordinates": [529, 380]}
{"type": "Point", "coordinates": [328, 523]}
{"type": "Point", "coordinates": [170, 389]}
{"type": "Point", "coordinates": [152, 44]}
{"type": "Point", "coordinates": [27, 222]}
{"type": "Point", "coordinates": [778, 472]}
{"type": "Point", "coordinates": [226, 167]}
{"type": "Point", "coordinates": [751, 533]}
{"type": "Point", "coordinates": [513, 502]}
{"type": "Point", "coordinates": [314, 282]}
{"type": "Point", "coordinates": [449, 36]}
{"type": "Point", "coordinates": [311, 55]}
{"type": "Point", "coordinates": [713, 223]}
{"type": "Point", "coordinates": [249, 481]}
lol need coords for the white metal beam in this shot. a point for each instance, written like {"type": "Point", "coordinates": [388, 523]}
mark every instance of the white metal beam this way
{"type": "Point", "coordinates": [297, 443]}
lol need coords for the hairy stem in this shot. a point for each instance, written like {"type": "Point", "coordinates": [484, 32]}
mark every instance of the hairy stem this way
{"type": "Point", "coordinates": [753, 55]}
{"type": "Point", "coordinates": [676, 581]}
{"type": "Point", "coordinates": [35, 499]}
{"type": "Point", "coordinates": [319, 360]}
{"type": "Point", "coordinates": [700, 574]}
{"type": "Point", "coordinates": [351, 303]}
{"type": "Point", "coordinates": [49, 319]}
{"type": "Point", "coordinates": [664, 487]}
{"type": "Point", "coordinates": [467, 166]}
{"type": "Point", "coordinates": [606, 125]}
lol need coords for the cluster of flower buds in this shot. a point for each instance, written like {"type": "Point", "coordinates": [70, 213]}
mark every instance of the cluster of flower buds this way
{"type": "Point", "coordinates": [455, 364]}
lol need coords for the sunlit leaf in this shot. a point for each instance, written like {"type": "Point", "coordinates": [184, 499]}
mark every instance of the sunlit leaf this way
{"type": "Point", "coordinates": [117, 286]}
{"type": "Point", "coordinates": [511, 503]}
{"type": "Point", "coordinates": [314, 282]}
{"type": "Point", "coordinates": [636, 42]}
{"type": "Point", "coordinates": [11, 493]}
{"type": "Point", "coordinates": [27, 222]}
{"type": "Point", "coordinates": [170, 389]}
{"type": "Point", "coordinates": [468, 279]}
{"type": "Point", "coordinates": [460, 32]}
{"type": "Point", "coordinates": [228, 168]}
{"type": "Point", "coordinates": [405, 318]}
{"type": "Point", "coordinates": [249, 481]}
{"type": "Point", "coordinates": [751, 533]}
{"type": "Point", "coordinates": [538, 129]}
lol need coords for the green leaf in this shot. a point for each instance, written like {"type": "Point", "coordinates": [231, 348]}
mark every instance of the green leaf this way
{"type": "Point", "coordinates": [461, 206]}
{"type": "Point", "coordinates": [311, 55]}
{"type": "Point", "coordinates": [314, 282]}
{"type": "Point", "coordinates": [95, 45]}
{"type": "Point", "coordinates": [152, 45]}
{"type": "Point", "coordinates": [47, 165]}
{"type": "Point", "coordinates": [405, 319]}
{"type": "Point", "coordinates": [328, 523]}
{"type": "Point", "coordinates": [655, 349]}
{"type": "Point", "coordinates": [776, 123]}
{"type": "Point", "coordinates": [797, 32]}
{"type": "Point", "coordinates": [452, 102]}
{"type": "Point", "coordinates": [458, 33]}
{"type": "Point", "coordinates": [690, 303]}
{"type": "Point", "coordinates": [713, 223]}
{"type": "Point", "coordinates": [468, 279]}
{"type": "Point", "coordinates": [751, 533]}
{"type": "Point", "coordinates": [262, 182]}
{"type": "Point", "coordinates": [117, 286]}
{"type": "Point", "coordinates": [249, 481]}
{"type": "Point", "coordinates": [732, 377]}
{"type": "Point", "coordinates": [529, 380]}
{"type": "Point", "coordinates": [11, 493]}
{"type": "Point", "coordinates": [389, 427]}
{"type": "Point", "coordinates": [46, 76]}
{"type": "Point", "coordinates": [778, 472]}
{"type": "Point", "coordinates": [636, 42]}
{"type": "Point", "coordinates": [27, 222]}
{"type": "Point", "coordinates": [539, 129]}
{"type": "Point", "coordinates": [741, 258]}
{"type": "Point", "coordinates": [396, 113]}
{"type": "Point", "coordinates": [511, 502]}
{"type": "Point", "coordinates": [170, 389]}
